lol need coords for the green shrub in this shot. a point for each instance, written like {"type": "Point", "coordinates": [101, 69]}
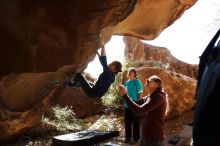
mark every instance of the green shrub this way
{"type": "Point", "coordinates": [129, 63]}
{"type": "Point", "coordinates": [113, 96]}
{"type": "Point", "coordinates": [62, 119]}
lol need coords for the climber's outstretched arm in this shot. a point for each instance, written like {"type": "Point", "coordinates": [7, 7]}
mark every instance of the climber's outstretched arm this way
{"type": "Point", "coordinates": [103, 47]}
{"type": "Point", "coordinates": [97, 53]}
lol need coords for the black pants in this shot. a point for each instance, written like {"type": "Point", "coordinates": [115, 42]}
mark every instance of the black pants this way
{"type": "Point", "coordinates": [131, 121]}
{"type": "Point", "coordinates": [87, 86]}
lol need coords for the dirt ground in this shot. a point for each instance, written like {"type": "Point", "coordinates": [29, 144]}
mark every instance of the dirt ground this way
{"type": "Point", "coordinates": [185, 136]}
{"type": "Point", "coordinates": [173, 128]}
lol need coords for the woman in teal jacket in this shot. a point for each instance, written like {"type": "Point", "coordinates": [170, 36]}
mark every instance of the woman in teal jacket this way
{"type": "Point", "coordinates": [134, 91]}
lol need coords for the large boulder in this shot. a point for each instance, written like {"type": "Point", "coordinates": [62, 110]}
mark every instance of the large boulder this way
{"type": "Point", "coordinates": [82, 105]}
{"type": "Point", "coordinates": [180, 89]}
{"type": "Point", "coordinates": [25, 97]}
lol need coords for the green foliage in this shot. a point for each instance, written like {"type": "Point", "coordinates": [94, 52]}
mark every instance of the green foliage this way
{"type": "Point", "coordinates": [62, 119]}
{"type": "Point", "coordinates": [113, 96]}
{"type": "Point", "coordinates": [109, 123]}
{"type": "Point", "coordinates": [160, 64]}
{"type": "Point", "coordinates": [129, 63]}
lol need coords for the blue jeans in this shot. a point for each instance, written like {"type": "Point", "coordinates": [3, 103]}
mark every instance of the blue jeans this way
{"type": "Point", "coordinates": [144, 142]}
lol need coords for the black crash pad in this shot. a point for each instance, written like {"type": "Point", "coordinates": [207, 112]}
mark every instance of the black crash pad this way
{"type": "Point", "coordinates": [83, 138]}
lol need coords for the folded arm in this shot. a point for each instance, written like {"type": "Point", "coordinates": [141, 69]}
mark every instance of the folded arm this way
{"type": "Point", "coordinates": [146, 107]}
{"type": "Point", "coordinates": [140, 109]}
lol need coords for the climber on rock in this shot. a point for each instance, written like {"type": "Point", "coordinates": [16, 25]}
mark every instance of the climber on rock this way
{"type": "Point", "coordinates": [105, 79]}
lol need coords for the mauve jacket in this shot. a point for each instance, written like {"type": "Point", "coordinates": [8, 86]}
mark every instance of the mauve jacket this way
{"type": "Point", "coordinates": [155, 110]}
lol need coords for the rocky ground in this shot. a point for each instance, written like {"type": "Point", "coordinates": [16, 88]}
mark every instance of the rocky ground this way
{"type": "Point", "coordinates": [112, 120]}
{"type": "Point", "coordinates": [174, 128]}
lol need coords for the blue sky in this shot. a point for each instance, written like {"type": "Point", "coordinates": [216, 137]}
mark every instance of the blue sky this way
{"type": "Point", "coordinates": [186, 38]}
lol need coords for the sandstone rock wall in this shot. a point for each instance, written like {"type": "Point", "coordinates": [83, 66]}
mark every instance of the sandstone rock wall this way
{"type": "Point", "coordinates": [180, 89]}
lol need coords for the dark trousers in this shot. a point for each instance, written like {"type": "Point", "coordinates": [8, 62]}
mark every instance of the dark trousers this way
{"type": "Point", "coordinates": [87, 86]}
{"type": "Point", "coordinates": [131, 121]}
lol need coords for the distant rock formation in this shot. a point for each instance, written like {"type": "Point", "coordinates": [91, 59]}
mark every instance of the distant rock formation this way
{"type": "Point", "coordinates": [149, 56]}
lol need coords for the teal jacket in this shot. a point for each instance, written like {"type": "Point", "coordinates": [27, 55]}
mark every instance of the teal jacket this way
{"type": "Point", "coordinates": [134, 88]}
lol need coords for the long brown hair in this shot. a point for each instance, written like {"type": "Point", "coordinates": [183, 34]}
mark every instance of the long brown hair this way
{"type": "Point", "coordinates": [157, 80]}
{"type": "Point", "coordinates": [160, 88]}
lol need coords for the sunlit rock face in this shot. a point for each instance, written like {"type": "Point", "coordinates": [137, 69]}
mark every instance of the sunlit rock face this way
{"type": "Point", "coordinates": [150, 17]}
{"type": "Point", "coordinates": [40, 37]}
{"type": "Point", "coordinates": [152, 56]}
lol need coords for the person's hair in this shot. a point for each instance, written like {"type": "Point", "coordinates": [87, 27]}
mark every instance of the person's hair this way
{"type": "Point", "coordinates": [117, 65]}
{"type": "Point", "coordinates": [157, 80]}
{"type": "Point", "coordinates": [134, 71]}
